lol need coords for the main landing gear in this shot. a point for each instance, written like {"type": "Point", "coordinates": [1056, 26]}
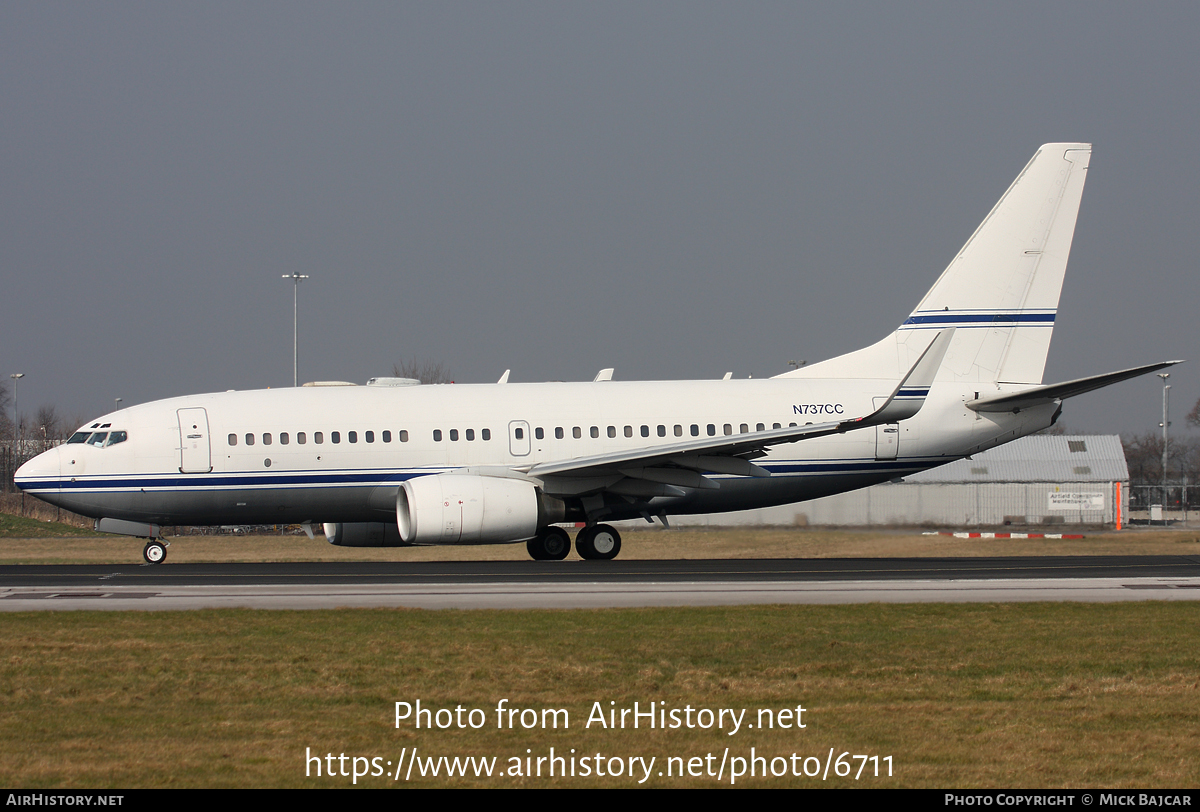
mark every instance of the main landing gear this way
{"type": "Point", "coordinates": [154, 552]}
{"type": "Point", "coordinates": [550, 544]}
{"type": "Point", "coordinates": [599, 542]}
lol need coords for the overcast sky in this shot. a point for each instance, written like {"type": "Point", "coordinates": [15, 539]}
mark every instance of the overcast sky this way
{"type": "Point", "coordinates": [672, 189]}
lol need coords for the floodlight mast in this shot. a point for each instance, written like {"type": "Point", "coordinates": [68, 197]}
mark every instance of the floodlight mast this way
{"type": "Point", "coordinates": [16, 377]}
{"type": "Point", "coordinates": [295, 277]}
{"type": "Point", "coordinates": [1165, 424]}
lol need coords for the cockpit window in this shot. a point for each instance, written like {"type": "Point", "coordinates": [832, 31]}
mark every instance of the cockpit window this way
{"type": "Point", "coordinates": [97, 439]}
{"type": "Point", "coordinates": [79, 437]}
{"type": "Point", "coordinates": [116, 437]}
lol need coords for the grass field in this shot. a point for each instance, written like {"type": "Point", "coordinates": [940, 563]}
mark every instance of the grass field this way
{"type": "Point", "coordinates": [28, 541]}
{"type": "Point", "coordinates": [1012, 695]}
{"type": "Point", "coordinates": [1020, 695]}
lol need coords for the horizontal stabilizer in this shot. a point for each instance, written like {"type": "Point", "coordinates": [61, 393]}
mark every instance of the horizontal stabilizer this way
{"type": "Point", "coordinates": [1042, 395]}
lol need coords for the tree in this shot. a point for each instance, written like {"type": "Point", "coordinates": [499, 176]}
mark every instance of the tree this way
{"type": "Point", "coordinates": [5, 422]}
{"type": "Point", "coordinates": [48, 426]}
{"type": "Point", "coordinates": [423, 371]}
{"type": "Point", "coordinates": [1193, 417]}
{"type": "Point", "coordinates": [1143, 455]}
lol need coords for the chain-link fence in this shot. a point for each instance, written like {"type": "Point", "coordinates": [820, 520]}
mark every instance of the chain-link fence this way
{"type": "Point", "coordinates": [1176, 502]}
{"type": "Point", "coordinates": [12, 458]}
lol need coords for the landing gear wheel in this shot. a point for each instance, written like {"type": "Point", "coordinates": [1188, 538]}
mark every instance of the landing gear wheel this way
{"type": "Point", "coordinates": [599, 542]}
{"type": "Point", "coordinates": [155, 552]}
{"type": "Point", "coordinates": [551, 544]}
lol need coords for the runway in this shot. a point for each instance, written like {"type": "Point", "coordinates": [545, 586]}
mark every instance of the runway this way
{"type": "Point", "coordinates": [598, 584]}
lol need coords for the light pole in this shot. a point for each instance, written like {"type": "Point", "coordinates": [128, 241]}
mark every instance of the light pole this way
{"type": "Point", "coordinates": [295, 277]}
{"type": "Point", "coordinates": [1165, 424]}
{"type": "Point", "coordinates": [16, 376]}
{"type": "Point", "coordinates": [117, 403]}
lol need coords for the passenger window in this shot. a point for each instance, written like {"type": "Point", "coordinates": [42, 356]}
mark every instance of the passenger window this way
{"type": "Point", "coordinates": [629, 431]}
{"type": "Point", "coordinates": [558, 433]}
{"type": "Point", "coordinates": [470, 434]}
{"type": "Point", "coordinates": [486, 434]}
{"type": "Point", "coordinates": [352, 436]}
{"type": "Point", "coordinates": [576, 432]}
{"type": "Point", "coordinates": [300, 437]}
{"type": "Point", "coordinates": [728, 429]}
{"type": "Point", "coordinates": [539, 433]}
{"type": "Point", "coordinates": [743, 428]}
{"type": "Point", "coordinates": [116, 437]}
{"type": "Point", "coordinates": [283, 438]}
{"type": "Point", "coordinates": [249, 439]}
{"type": "Point", "coordinates": [645, 431]}
{"type": "Point", "coordinates": [791, 425]}
{"type": "Point", "coordinates": [335, 436]}
{"type": "Point", "coordinates": [712, 429]}
{"type": "Point", "coordinates": [454, 435]}
{"type": "Point", "coordinates": [776, 426]}
{"type": "Point", "coordinates": [678, 430]}
{"type": "Point", "coordinates": [318, 437]}
{"type": "Point", "coordinates": [695, 430]}
{"type": "Point", "coordinates": [595, 430]}
{"type": "Point", "coordinates": [369, 436]}
{"type": "Point", "coordinates": [612, 431]}
{"type": "Point", "coordinates": [759, 427]}
{"type": "Point", "coordinates": [266, 438]}
{"type": "Point", "coordinates": [232, 439]}
{"type": "Point", "coordinates": [519, 433]}
{"type": "Point", "coordinates": [404, 435]}
{"type": "Point", "coordinates": [387, 436]}
{"type": "Point", "coordinates": [662, 431]}
{"type": "Point", "coordinates": [437, 435]}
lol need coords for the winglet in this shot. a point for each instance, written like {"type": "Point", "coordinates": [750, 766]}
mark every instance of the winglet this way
{"type": "Point", "coordinates": [908, 398]}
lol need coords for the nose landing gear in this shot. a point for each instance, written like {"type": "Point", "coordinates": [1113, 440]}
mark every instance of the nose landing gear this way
{"type": "Point", "coordinates": [154, 552]}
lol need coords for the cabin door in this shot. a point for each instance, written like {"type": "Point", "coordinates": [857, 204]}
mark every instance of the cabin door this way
{"type": "Point", "coordinates": [194, 454]}
{"type": "Point", "coordinates": [887, 437]}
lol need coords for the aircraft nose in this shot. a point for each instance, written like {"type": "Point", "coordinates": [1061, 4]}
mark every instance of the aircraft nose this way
{"type": "Point", "coordinates": [41, 472]}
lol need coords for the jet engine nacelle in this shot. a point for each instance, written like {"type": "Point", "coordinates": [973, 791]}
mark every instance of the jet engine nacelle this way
{"type": "Point", "coordinates": [364, 534]}
{"type": "Point", "coordinates": [467, 509]}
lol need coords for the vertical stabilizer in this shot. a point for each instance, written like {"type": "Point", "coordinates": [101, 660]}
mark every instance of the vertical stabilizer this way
{"type": "Point", "coordinates": [1001, 290]}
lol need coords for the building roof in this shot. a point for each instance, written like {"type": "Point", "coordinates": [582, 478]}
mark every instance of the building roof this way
{"type": "Point", "coordinates": [1039, 458]}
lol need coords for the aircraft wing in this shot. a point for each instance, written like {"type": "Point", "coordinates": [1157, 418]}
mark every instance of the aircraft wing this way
{"type": "Point", "coordinates": [684, 464]}
{"type": "Point", "coordinates": [1041, 395]}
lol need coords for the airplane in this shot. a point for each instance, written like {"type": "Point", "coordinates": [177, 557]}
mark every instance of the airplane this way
{"type": "Point", "coordinates": [398, 463]}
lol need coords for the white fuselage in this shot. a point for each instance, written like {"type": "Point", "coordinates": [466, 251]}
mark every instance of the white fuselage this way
{"type": "Point", "coordinates": [338, 454]}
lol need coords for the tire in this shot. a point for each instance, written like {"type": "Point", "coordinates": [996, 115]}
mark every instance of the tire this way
{"type": "Point", "coordinates": [600, 542]}
{"type": "Point", "coordinates": [155, 552]}
{"type": "Point", "coordinates": [551, 544]}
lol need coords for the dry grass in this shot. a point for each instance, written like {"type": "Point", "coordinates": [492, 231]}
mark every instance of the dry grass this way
{"type": "Point", "coordinates": [1016, 695]}
{"type": "Point", "coordinates": [638, 544]}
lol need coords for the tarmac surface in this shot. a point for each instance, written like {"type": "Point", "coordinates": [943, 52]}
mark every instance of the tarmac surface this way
{"type": "Point", "coordinates": [596, 584]}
